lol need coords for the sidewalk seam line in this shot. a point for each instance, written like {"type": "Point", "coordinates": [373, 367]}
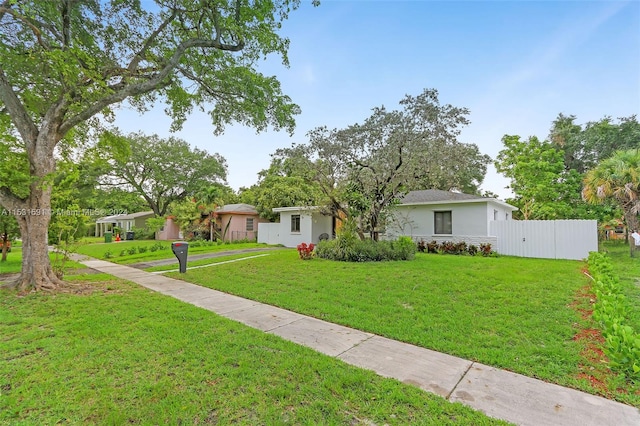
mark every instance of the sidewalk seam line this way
{"type": "Point", "coordinates": [289, 323]}
{"type": "Point", "coordinates": [458, 382]}
{"type": "Point", "coordinates": [356, 345]}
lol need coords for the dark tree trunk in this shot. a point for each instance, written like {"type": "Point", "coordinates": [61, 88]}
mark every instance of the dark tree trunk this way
{"type": "Point", "coordinates": [34, 214]}
{"type": "Point", "coordinates": [37, 273]}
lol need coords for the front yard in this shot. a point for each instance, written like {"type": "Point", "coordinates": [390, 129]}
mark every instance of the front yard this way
{"type": "Point", "coordinates": [111, 352]}
{"type": "Point", "coordinates": [518, 314]}
{"type": "Point", "coordinates": [107, 351]}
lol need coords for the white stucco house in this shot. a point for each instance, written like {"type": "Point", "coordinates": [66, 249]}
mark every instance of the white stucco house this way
{"type": "Point", "coordinates": [297, 225]}
{"type": "Point", "coordinates": [432, 214]}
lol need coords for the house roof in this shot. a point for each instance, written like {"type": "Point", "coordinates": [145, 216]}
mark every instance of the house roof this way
{"type": "Point", "coordinates": [437, 196]}
{"type": "Point", "coordinates": [295, 209]}
{"type": "Point", "coordinates": [117, 217]}
{"type": "Point", "coordinates": [237, 209]}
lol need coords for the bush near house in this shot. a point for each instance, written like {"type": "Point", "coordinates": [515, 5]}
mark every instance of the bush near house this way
{"type": "Point", "coordinates": [448, 247]}
{"type": "Point", "coordinates": [356, 250]}
{"type": "Point", "coordinates": [306, 251]}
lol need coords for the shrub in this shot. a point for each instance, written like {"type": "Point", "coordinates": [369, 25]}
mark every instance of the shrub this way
{"type": "Point", "coordinates": [306, 251]}
{"type": "Point", "coordinates": [422, 246]}
{"type": "Point", "coordinates": [132, 250]}
{"type": "Point", "coordinates": [448, 247]}
{"type": "Point", "coordinates": [107, 254]}
{"type": "Point", "coordinates": [366, 250]}
{"type": "Point", "coordinates": [433, 246]}
{"type": "Point", "coordinates": [485, 249]}
{"type": "Point", "coordinates": [123, 253]}
{"type": "Point", "coordinates": [622, 343]}
{"type": "Point", "coordinates": [142, 249]}
{"type": "Point", "coordinates": [461, 248]}
{"type": "Point", "coordinates": [473, 250]}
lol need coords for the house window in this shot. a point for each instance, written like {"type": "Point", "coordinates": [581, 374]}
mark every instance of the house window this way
{"type": "Point", "coordinates": [295, 223]}
{"type": "Point", "coordinates": [495, 215]}
{"type": "Point", "coordinates": [442, 222]}
{"type": "Point", "coordinates": [249, 224]}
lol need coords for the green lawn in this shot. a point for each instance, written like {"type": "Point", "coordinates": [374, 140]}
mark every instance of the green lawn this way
{"type": "Point", "coordinates": [13, 264]}
{"type": "Point", "coordinates": [213, 261]}
{"type": "Point", "coordinates": [119, 251]}
{"type": "Point", "coordinates": [120, 354]}
{"type": "Point", "coordinates": [513, 313]}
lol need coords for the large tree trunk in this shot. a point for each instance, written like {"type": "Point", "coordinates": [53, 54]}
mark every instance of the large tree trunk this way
{"type": "Point", "coordinates": [34, 214]}
{"type": "Point", "coordinates": [37, 273]}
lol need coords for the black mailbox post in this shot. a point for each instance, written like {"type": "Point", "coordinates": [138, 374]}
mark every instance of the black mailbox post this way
{"type": "Point", "coordinates": [180, 249]}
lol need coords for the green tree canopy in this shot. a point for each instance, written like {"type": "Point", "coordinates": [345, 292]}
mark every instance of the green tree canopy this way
{"type": "Point", "coordinates": [617, 178]}
{"type": "Point", "coordinates": [160, 170]}
{"type": "Point", "coordinates": [369, 165]}
{"type": "Point", "coordinates": [65, 65]}
{"type": "Point", "coordinates": [287, 182]}
{"type": "Point", "coordinates": [538, 178]}
{"type": "Point", "coordinates": [586, 145]}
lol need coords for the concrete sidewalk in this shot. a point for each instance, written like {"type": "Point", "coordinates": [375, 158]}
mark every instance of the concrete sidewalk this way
{"type": "Point", "coordinates": [498, 393]}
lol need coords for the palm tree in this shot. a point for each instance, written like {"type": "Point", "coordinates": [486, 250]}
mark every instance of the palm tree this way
{"type": "Point", "coordinates": [617, 178]}
{"type": "Point", "coordinates": [210, 198]}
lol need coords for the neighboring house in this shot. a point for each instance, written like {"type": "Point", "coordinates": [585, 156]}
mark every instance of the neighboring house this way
{"type": "Point", "coordinates": [297, 225]}
{"type": "Point", "coordinates": [433, 214]}
{"type": "Point", "coordinates": [125, 222]}
{"type": "Point", "coordinates": [614, 230]}
{"type": "Point", "coordinates": [169, 231]}
{"type": "Point", "coordinates": [238, 222]}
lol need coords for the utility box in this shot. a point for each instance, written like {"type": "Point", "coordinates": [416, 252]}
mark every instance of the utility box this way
{"type": "Point", "coordinates": [181, 249]}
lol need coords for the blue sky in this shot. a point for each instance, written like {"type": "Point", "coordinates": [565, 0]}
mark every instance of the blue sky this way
{"type": "Point", "coordinates": [515, 64]}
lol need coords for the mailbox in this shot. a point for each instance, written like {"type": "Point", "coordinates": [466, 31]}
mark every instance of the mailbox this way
{"type": "Point", "coordinates": [180, 249]}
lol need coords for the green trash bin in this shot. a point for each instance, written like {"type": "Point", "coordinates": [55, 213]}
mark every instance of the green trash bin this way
{"type": "Point", "coordinates": [108, 236]}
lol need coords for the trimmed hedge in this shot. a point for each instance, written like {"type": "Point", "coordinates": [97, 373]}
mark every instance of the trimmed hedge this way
{"type": "Point", "coordinates": [355, 250]}
{"type": "Point", "coordinates": [622, 342]}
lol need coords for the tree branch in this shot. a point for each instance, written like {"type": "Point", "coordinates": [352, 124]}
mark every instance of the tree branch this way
{"type": "Point", "coordinates": [142, 53]}
{"type": "Point", "coordinates": [26, 127]}
{"type": "Point", "coordinates": [10, 201]}
{"type": "Point", "coordinates": [149, 85]}
{"type": "Point", "coordinates": [4, 8]}
{"type": "Point", "coordinates": [35, 30]}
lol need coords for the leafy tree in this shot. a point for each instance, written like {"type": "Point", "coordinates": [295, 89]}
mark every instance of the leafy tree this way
{"type": "Point", "coordinates": [209, 199]}
{"type": "Point", "coordinates": [543, 188]}
{"type": "Point", "coordinates": [64, 65]}
{"type": "Point", "coordinates": [160, 170]}
{"type": "Point", "coordinates": [617, 178]}
{"type": "Point", "coordinates": [371, 164]}
{"type": "Point", "coordinates": [283, 184]}
{"type": "Point", "coordinates": [187, 214]}
{"type": "Point", "coordinates": [585, 146]}
{"type": "Point", "coordinates": [320, 165]}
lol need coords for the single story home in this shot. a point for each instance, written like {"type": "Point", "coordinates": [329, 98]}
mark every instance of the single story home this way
{"type": "Point", "coordinates": [297, 225]}
{"type": "Point", "coordinates": [125, 222]}
{"type": "Point", "coordinates": [438, 215]}
{"type": "Point", "coordinates": [238, 222]}
{"type": "Point", "coordinates": [169, 231]}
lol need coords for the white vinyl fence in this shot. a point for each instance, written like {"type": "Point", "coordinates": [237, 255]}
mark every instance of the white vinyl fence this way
{"type": "Point", "coordinates": [551, 239]}
{"type": "Point", "coordinates": [269, 233]}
